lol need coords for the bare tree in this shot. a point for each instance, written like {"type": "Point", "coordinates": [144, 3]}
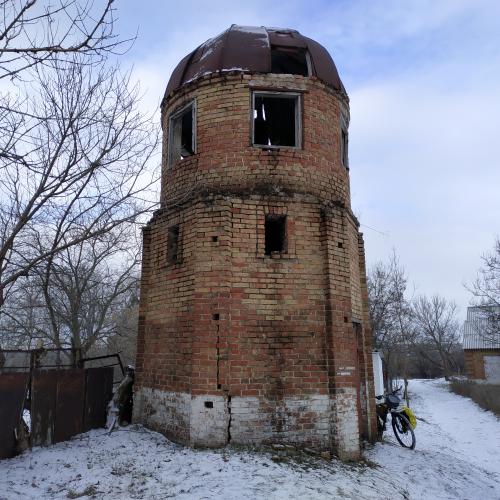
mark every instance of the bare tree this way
{"type": "Point", "coordinates": [81, 291]}
{"type": "Point", "coordinates": [74, 174]}
{"type": "Point", "coordinates": [390, 315]}
{"type": "Point", "coordinates": [34, 32]}
{"type": "Point", "coordinates": [74, 147]}
{"type": "Point", "coordinates": [124, 337]}
{"type": "Point", "coordinates": [437, 329]}
{"type": "Point", "coordinates": [486, 292]}
{"type": "Point", "coordinates": [23, 321]}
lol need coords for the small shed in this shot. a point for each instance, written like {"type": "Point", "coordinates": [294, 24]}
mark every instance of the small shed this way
{"type": "Point", "coordinates": [481, 350]}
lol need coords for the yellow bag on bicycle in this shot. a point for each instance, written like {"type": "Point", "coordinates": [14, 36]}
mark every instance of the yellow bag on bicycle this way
{"type": "Point", "coordinates": [410, 416]}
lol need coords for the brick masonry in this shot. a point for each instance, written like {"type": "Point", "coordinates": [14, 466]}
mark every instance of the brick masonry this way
{"type": "Point", "coordinates": [235, 345]}
{"type": "Point", "coordinates": [475, 362]}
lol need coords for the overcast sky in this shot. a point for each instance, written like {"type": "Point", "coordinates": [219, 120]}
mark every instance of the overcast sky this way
{"type": "Point", "coordinates": [424, 83]}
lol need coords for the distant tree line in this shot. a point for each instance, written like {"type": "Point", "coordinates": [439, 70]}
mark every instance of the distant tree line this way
{"type": "Point", "coordinates": [419, 335]}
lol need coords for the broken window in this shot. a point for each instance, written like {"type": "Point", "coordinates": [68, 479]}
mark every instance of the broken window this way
{"type": "Point", "coordinates": [289, 60]}
{"type": "Point", "coordinates": [276, 119]}
{"type": "Point", "coordinates": [182, 137]}
{"type": "Point", "coordinates": [344, 143]}
{"type": "Point", "coordinates": [173, 244]}
{"type": "Point", "coordinates": [275, 234]}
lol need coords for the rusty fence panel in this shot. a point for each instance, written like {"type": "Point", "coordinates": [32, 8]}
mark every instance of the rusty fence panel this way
{"type": "Point", "coordinates": [13, 389]}
{"type": "Point", "coordinates": [43, 406]}
{"type": "Point", "coordinates": [67, 402]}
{"type": "Point", "coordinates": [98, 393]}
{"type": "Point", "coordinates": [70, 399]}
{"type": "Point", "coordinates": [63, 402]}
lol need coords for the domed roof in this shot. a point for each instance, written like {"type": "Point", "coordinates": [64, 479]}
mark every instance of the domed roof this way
{"type": "Point", "coordinates": [256, 49]}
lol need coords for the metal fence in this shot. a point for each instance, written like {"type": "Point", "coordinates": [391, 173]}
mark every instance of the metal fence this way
{"type": "Point", "coordinates": [60, 393]}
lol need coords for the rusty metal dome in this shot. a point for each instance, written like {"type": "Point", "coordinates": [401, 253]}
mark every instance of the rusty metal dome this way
{"type": "Point", "coordinates": [253, 49]}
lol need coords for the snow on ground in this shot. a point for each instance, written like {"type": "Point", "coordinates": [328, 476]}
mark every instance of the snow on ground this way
{"type": "Point", "coordinates": [458, 447]}
{"type": "Point", "coordinates": [457, 456]}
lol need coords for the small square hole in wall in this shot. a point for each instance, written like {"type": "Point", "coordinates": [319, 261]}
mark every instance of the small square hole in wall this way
{"type": "Point", "coordinates": [215, 317]}
{"type": "Point", "coordinates": [340, 244]}
{"type": "Point", "coordinates": [346, 319]}
{"type": "Point", "coordinates": [275, 234]}
{"type": "Point", "coordinates": [215, 239]}
{"type": "Point", "coordinates": [209, 404]}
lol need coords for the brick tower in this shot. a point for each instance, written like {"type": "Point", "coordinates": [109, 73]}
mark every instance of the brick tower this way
{"type": "Point", "coordinates": [253, 317]}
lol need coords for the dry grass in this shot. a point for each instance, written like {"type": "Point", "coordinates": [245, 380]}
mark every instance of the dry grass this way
{"type": "Point", "coordinates": [487, 396]}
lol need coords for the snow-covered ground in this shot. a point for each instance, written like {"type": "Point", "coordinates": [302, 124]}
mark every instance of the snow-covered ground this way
{"type": "Point", "coordinates": [457, 456]}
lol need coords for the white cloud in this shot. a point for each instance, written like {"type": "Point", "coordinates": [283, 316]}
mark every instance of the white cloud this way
{"type": "Point", "coordinates": [425, 168]}
{"type": "Point", "coordinates": [423, 78]}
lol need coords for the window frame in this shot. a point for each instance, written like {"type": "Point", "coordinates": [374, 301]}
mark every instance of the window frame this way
{"type": "Point", "coordinates": [344, 144]}
{"type": "Point", "coordinates": [176, 114]}
{"type": "Point", "coordinates": [297, 96]}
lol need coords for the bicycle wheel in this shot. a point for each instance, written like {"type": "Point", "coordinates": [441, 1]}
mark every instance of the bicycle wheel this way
{"type": "Point", "coordinates": [403, 431]}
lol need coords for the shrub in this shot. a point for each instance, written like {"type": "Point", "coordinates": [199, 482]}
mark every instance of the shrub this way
{"type": "Point", "coordinates": [487, 396]}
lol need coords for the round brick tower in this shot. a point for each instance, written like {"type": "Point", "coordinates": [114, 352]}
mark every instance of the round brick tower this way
{"type": "Point", "coordinates": [253, 320]}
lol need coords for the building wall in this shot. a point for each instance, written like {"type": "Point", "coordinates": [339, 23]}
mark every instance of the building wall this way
{"type": "Point", "coordinates": [235, 345]}
{"type": "Point", "coordinates": [227, 161]}
{"type": "Point", "coordinates": [475, 361]}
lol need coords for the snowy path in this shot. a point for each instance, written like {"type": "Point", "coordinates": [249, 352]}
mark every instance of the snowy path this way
{"type": "Point", "coordinates": [457, 426]}
{"type": "Point", "coordinates": [458, 447]}
{"type": "Point", "coordinates": [457, 456]}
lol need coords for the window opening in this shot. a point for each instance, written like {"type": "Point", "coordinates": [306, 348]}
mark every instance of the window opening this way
{"type": "Point", "coordinates": [344, 144]}
{"type": "Point", "coordinates": [182, 134]}
{"type": "Point", "coordinates": [291, 61]}
{"type": "Point", "coordinates": [276, 120]}
{"type": "Point", "coordinates": [173, 244]}
{"type": "Point", "coordinates": [275, 234]}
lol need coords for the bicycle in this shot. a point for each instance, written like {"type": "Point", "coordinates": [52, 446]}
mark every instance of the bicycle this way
{"type": "Point", "coordinates": [403, 419]}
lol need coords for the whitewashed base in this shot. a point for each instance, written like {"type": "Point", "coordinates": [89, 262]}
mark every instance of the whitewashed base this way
{"type": "Point", "coordinates": [314, 421]}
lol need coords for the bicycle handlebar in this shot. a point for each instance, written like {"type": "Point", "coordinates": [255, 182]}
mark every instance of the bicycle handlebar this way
{"type": "Point", "coordinates": [387, 393]}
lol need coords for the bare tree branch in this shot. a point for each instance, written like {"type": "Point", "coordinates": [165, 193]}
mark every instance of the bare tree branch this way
{"type": "Point", "coordinates": [77, 173]}
{"type": "Point", "coordinates": [437, 327]}
{"type": "Point", "coordinates": [79, 294]}
{"type": "Point", "coordinates": [486, 293]}
{"type": "Point", "coordinates": [39, 32]}
{"type": "Point", "coordinates": [390, 311]}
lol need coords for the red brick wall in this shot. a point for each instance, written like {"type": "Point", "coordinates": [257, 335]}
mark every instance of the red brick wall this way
{"type": "Point", "coordinates": [474, 361]}
{"type": "Point", "coordinates": [227, 320]}
{"type": "Point", "coordinates": [225, 158]}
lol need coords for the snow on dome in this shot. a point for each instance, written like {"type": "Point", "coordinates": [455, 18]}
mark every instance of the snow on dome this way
{"type": "Point", "coordinates": [254, 49]}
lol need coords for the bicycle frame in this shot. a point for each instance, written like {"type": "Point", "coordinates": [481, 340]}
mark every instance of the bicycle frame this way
{"type": "Point", "coordinates": [400, 423]}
